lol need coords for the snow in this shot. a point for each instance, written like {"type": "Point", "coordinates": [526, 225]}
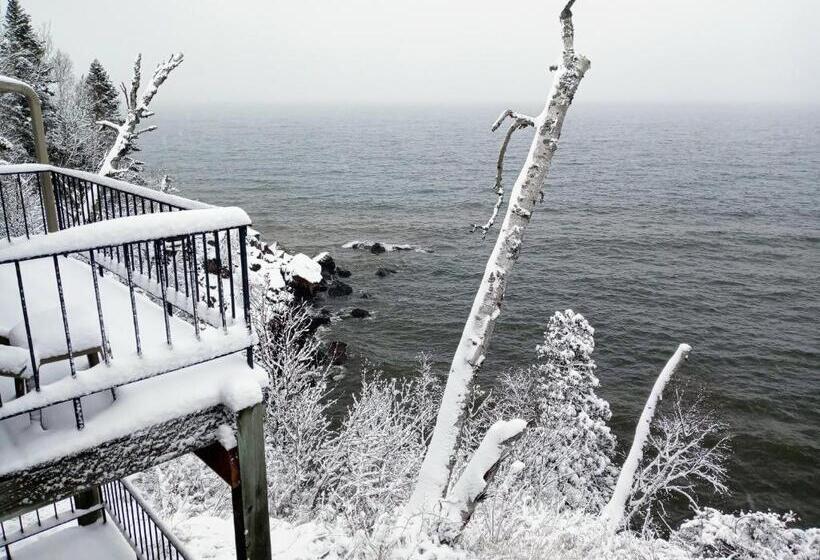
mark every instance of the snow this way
{"type": "Point", "coordinates": [304, 267]}
{"type": "Point", "coordinates": [472, 481]}
{"type": "Point", "coordinates": [226, 437]}
{"type": "Point", "coordinates": [226, 380]}
{"type": "Point", "coordinates": [101, 541]}
{"type": "Point", "coordinates": [48, 334]}
{"type": "Point", "coordinates": [14, 361]}
{"type": "Point", "coordinates": [125, 230]}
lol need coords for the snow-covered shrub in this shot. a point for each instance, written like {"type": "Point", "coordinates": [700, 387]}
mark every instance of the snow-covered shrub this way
{"type": "Point", "coordinates": [685, 452]}
{"type": "Point", "coordinates": [747, 536]}
{"type": "Point", "coordinates": [297, 424]}
{"type": "Point", "coordinates": [568, 447]}
{"type": "Point", "coordinates": [183, 488]}
{"type": "Point", "coordinates": [371, 465]}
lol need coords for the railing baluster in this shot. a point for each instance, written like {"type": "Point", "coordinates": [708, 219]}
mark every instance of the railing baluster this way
{"type": "Point", "coordinates": [78, 414]}
{"type": "Point", "coordinates": [35, 370]}
{"type": "Point", "coordinates": [194, 300]}
{"type": "Point", "coordinates": [106, 347]}
{"type": "Point", "coordinates": [23, 206]}
{"type": "Point", "coordinates": [42, 203]}
{"type": "Point", "coordinates": [220, 290]}
{"type": "Point", "coordinates": [133, 300]}
{"type": "Point", "coordinates": [162, 277]}
{"type": "Point", "coordinates": [246, 295]}
{"type": "Point", "coordinates": [5, 213]}
{"type": "Point", "coordinates": [230, 269]}
{"type": "Point", "coordinates": [61, 295]}
{"type": "Point", "coordinates": [205, 267]}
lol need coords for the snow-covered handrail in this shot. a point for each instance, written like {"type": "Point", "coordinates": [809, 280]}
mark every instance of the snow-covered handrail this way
{"type": "Point", "coordinates": [155, 195]}
{"type": "Point", "coordinates": [131, 229]}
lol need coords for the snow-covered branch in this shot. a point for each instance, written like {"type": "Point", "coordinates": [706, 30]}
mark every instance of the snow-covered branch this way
{"type": "Point", "coordinates": [438, 462]}
{"type": "Point", "coordinates": [471, 486]}
{"type": "Point", "coordinates": [137, 106]}
{"type": "Point", "coordinates": [613, 513]}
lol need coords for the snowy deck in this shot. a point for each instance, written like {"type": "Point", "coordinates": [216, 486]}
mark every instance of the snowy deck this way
{"type": "Point", "coordinates": [219, 380]}
{"type": "Point", "coordinates": [101, 541]}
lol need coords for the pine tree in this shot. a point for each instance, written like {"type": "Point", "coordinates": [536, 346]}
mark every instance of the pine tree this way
{"type": "Point", "coordinates": [101, 92]}
{"type": "Point", "coordinates": [22, 56]}
{"type": "Point", "coordinates": [571, 413]}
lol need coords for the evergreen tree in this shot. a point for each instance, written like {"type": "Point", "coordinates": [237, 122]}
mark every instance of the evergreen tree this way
{"type": "Point", "coordinates": [22, 56]}
{"type": "Point", "coordinates": [101, 92]}
{"type": "Point", "coordinates": [571, 411]}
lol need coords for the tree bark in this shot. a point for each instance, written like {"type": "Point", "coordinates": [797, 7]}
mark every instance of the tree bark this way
{"type": "Point", "coordinates": [436, 469]}
{"type": "Point", "coordinates": [613, 513]}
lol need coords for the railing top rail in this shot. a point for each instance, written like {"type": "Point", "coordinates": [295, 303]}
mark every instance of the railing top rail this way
{"type": "Point", "coordinates": [131, 229]}
{"type": "Point", "coordinates": [157, 196]}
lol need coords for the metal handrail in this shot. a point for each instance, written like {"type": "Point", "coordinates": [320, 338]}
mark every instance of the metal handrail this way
{"type": "Point", "coordinates": [11, 85]}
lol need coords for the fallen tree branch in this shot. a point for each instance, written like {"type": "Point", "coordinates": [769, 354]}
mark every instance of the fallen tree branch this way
{"type": "Point", "coordinates": [471, 486]}
{"type": "Point", "coordinates": [436, 468]}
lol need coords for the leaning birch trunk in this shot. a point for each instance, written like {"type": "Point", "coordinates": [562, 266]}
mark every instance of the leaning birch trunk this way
{"type": "Point", "coordinates": [613, 513]}
{"type": "Point", "coordinates": [436, 468]}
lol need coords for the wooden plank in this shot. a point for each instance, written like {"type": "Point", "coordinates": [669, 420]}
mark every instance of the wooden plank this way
{"type": "Point", "coordinates": [254, 484]}
{"type": "Point", "coordinates": [20, 491]}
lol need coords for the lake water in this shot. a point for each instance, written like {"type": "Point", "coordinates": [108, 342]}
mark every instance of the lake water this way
{"type": "Point", "coordinates": [661, 225]}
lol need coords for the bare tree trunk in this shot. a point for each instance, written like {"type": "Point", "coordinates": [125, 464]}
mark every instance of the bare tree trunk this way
{"type": "Point", "coordinates": [436, 469]}
{"type": "Point", "coordinates": [137, 106]}
{"type": "Point", "coordinates": [613, 513]}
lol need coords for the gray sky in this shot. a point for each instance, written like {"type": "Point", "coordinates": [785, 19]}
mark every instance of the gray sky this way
{"type": "Point", "coordinates": [449, 51]}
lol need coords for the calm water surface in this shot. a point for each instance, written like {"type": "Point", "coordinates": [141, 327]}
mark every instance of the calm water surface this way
{"type": "Point", "coordinates": [661, 225]}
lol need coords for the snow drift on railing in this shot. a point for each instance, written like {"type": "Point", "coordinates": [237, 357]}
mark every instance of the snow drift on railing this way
{"type": "Point", "coordinates": [131, 229]}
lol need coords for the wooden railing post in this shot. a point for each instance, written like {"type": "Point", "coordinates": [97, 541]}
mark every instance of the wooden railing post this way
{"type": "Point", "coordinates": [250, 499]}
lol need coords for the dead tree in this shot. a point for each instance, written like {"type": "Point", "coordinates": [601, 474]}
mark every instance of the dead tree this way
{"type": "Point", "coordinates": [613, 513]}
{"type": "Point", "coordinates": [137, 110]}
{"type": "Point", "coordinates": [436, 469]}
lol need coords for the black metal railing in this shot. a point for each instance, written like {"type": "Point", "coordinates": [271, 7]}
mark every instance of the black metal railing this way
{"type": "Point", "coordinates": [200, 276]}
{"type": "Point", "coordinates": [146, 533]}
{"type": "Point", "coordinates": [120, 504]}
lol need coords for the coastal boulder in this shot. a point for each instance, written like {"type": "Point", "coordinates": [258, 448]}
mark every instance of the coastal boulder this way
{"type": "Point", "coordinates": [337, 352]}
{"type": "Point", "coordinates": [342, 272]}
{"type": "Point", "coordinates": [327, 264]}
{"type": "Point", "coordinates": [383, 271]}
{"type": "Point", "coordinates": [337, 288]}
{"type": "Point", "coordinates": [377, 248]}
{"type": "Point", "coordinates": [359, 313]}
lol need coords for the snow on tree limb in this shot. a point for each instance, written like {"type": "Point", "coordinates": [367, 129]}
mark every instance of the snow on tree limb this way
{"type": "Point", "coordinates": [137, 107]}
{"type": "Point", "coordinates": [479, 472]}
{"type": "Point", "coordinates": [436, 469]}
{"type": "Point", "coordinates": [613, 513]}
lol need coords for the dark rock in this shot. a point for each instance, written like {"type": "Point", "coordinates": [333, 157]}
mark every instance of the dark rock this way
{"type": "Point", "coordinates": [255, 267]}
{"type": "Point", "coordinates": [359, 313]}
{"type": "Point", "coordinates": [342, 272]}
{"type": "Point", "coordinates": [338, 288]}
{"type": "Point", "coordinates": [383, 271]}
{"type": "Point", "coordinates": [377, 248]}
{"type": "Point", "coordinates": [212, 266]}
{"type": "Point", "coordinates": [318, 321]}
{"type": "Point", "coordinates": [302, 289]}
{"type": "Point", "coordinates": [337, 352]}
{"type": "Point", "coordinates": [328, 265]}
